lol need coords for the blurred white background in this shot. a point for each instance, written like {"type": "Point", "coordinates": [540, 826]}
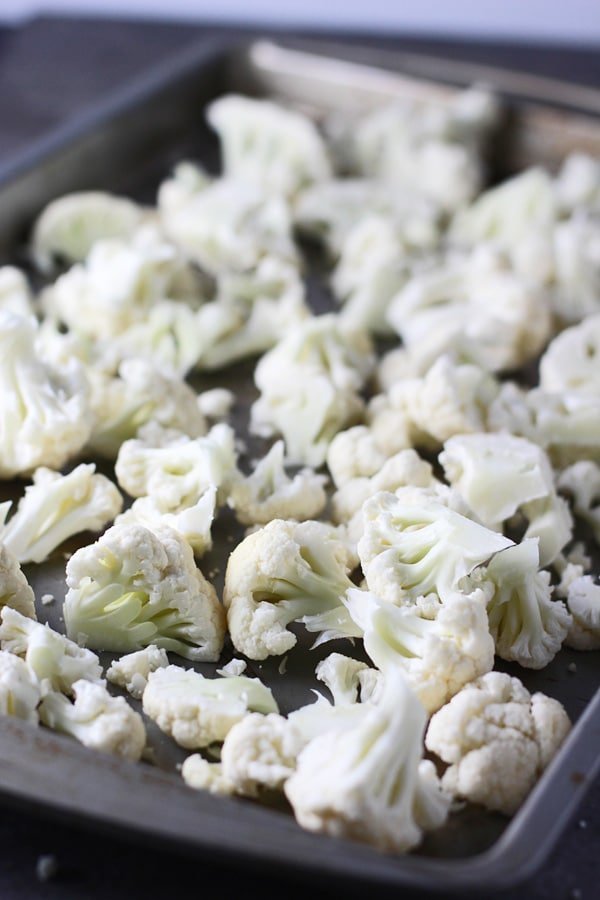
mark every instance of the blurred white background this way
{"type": "Point", "coordinates": [577, 21]}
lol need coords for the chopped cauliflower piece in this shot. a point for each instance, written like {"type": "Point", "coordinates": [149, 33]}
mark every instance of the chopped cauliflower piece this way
{"type": "Point", "coordinates": [414, 545]}
{"type": "Point", "coordinates": [202, 775]}
{"type": "Point", "coordinates": [132, 670]}
{"type": "Point", "coordinates": [575, 286]}
{"type": "Point", "coordinates": [69, 226]}
{"type": "Point", "coordinates": [57, 662]}
{"type": "Point", "coordinates": [14, 587]}
{"type": "Point", "coordinates": [97, 720]}
{"type": "Point", "coordinates": [260, 752]}
{"type": "Point", "coordinates": [20, 691]}
{"type": "Point", "coordinates": [285, 572]}
{"type": "Point", "coordinates": [216, 404]}
{"type": "Point", "coordinates": [309, 386]}
{"type": "Point", "coordinates": [343, 676]}
{"type": "Point", "coordinates": [572, 360]}
{"type": "Point", "coordinates": [527, 625]}
{"type": "Point", "coordinates": [354, 454]}
{"type": "Point", "coordinates": [198, 711]}
{"type": "Point", "coordinates": [498, 739]}
{"type": "Point", "coordinates": [136, 587]}
{"type": "Point", "coordinates": [55, 507]}
{"type": "Point", "coordinates": [233, 667]}
{"type": "Point", "coordinates": [194, 523]}
{"type": "Point", "coordinates": [439, 646]}
{"type": "Point", "coordinates": [581, 481]}
{"type": "Point", "coordinates": [262, 143]}
{"type": "Point", "coordinates": [15, 295]}
{"type": "Point", "coordinates": [578, 183]}
{"type": "Point", "coordinates": [367, 782]}
{"type": "Point", "coordinates": [141, 394]}
{"type": "Point", "coordinates": [268, 493]}
{"type": "Point", "coordinates": [44, 413]}
{"type": "Point", "coordinates": [583, 601]}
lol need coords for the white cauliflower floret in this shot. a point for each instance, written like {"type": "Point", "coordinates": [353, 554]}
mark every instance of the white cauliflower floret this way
{"type": "Point", "coordinates": [268, 493]}
{"type": "Point", "coordinates": [141, 394]}
{"type": "Point", "coordinates": [440, 647]}
{"type": "Point", "coordinates": [366, 782]}
{"type": "Point", "coordinates": [575, 286]}
{"type": "Point", "coordinates": [55, 507]}
{"type": "Point", "coordinates": [14, 587]}
{"type": "Point", "coordinates": [329, 211]}
{"type": "Point", "coordinates": [20, 691]}
{"type": "Point", "coordinates": [265, 144]}
{"type": "Point", "coordinates": [69, 226]}
{"type": "Point", "coordinates": [194, 523]}
{"type": "Point", "coordinates": [309, 386]}
{"type": "Point", "coordinates": [15, 295]}
{"type": "Point", "coordinates": [583, 601]}
{"type": "Point", "coordinates": [581, 482]}
{"type": "Point", "coordinates": [354, 454]}
{"type": "Point", "coordinates": [498, 475]}
{"type": "Point", "coordinates": [404, 468]}
{"type": "Point", "coordinates": [285, 572]}
{"type": "Point", "coordinates": [565, 424]}
{"type": "Point", "coordinates": [97, 720]}
{"type": "Point", "coordinates": [57, 662]}
{"type": "Point", "coordinates": [475, 308]}
{"type": "Point", "coordinates": [216, 404]}
{"type": "Point", "coordinates": [252, 311]}
{"type": "Point", "coordinates": [202, 775]}
{"type": "Point", "coordinates": [414, 545]}
{"type": "Point", "coordinates": [135, 587]}
{"type": "Point", "coordinates": [44, 414]}
{"type": "Point", "coordinates": [174, 470]}
{"type": "Point", "coordinates": [527, 625]}
{"type": "Point", "coordinates": [572, 360]}
{"type": "Point", "coordinates": [198, 711]}
{"type": "Point", "coordinates": [343, 676]}
{"type": "Point", "coordinates": [228, 225]}
{"type": "Point", "coordinates": [119, 283]}
{"type": "Point", "coordinates": [260, 752]}
{"type": "Point", "coordinates": [578, 183]}
{"type": "Point", "coordinates": [132, 670]}
{"type": "Point", "coordinates": [498, 739]}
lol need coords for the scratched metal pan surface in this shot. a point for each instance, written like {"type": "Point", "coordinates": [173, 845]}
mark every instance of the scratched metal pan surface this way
{"type": "Point", "coordinates": [127, 146]}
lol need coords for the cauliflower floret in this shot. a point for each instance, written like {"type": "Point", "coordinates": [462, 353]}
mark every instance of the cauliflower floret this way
{"type": "Point", "coordinates": [216, 404]}
{"type": "Point", "coordinates": [19, 688]}
{"type": "Point", "coordinates": [265, 144]}
{"type": "Point", "coordinates": [343, 676]}
{"type": "Point", "coordinates": [119, 284]}
{"type": "Point", "coordinates": [475, 308]}
{"type": "Point", "coordinates": [69, 226]}
{"type": "Point", "coordinates": [135, 587]}
{"type": "Point", "coordinates": [55, 507]}
{"type": "Point", "coordinates": [498, 738]}
{"type": "Point", "coordinates": [285, 572]}
{"type": "Point", "coordinates": [14, 588]}
{"type": "Point", "coordinates": [57, 662]}
{"type": "Point", "coordinates": [439, 647]}
{"type": "Point", "coordinates": [260, 752]}
{"type": "Point", "coordinates": [578, 183]}
{"type": "Point", "coordinates": [97, 720]}
{"type": "Point", "coordinates": [527, 625]}
{"type": "Point", "coordinates": [354, 454]}
{"type": "Point", "coordinates": [414, 545]}
{"type": "Point", "coordinates": [251, 313]}
{"type": "Point", "coordinates": [174, 470]}
{"type": "Point", "coordinates": [198, 711]}
{"type": "Point", "coordinates": [268, 493]}
{"type": "Point", "coordinates": [227, 225]}
{"type": "Point", "coordinates": [309, 386]}
{"type": "Point", "coordinates": [575, 288]}
{"type": "Point", "coordinates": [581, 481]}
{"type": "Point", "coordinates": [194, 523]}
{"type": "Point", "coordinates": [366, 782]}
{"type": "Point", "coordinates": [583, 601]}
{"type": "Point", "coordinates": [498, 475]}
{"type": "Point", "coordinates": [202, 775]}
{"type": "Point", "coordinates": [170, 336]}
{"type": "Point", "coordinates": [132, 670]}
{"type": "Point", "coordinates": [141, 394]}
{"type": "Point", "coordinates": [44, 414]}
{"type": "Point", "coordinates": [15, 295]}
{"type": "Point", "coordinates": [572, 360]}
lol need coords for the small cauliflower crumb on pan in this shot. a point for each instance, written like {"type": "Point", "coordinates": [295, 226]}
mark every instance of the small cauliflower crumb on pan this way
{"type": "Point", "coordinates": [413, 498]}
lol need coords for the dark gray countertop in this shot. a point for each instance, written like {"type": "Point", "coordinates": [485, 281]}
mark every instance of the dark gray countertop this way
{"type": "Point", "coordinates": [50, 71]}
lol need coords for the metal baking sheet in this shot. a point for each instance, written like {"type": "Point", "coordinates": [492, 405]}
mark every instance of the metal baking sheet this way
{"type": "Point", "coordinates": [128, 146]}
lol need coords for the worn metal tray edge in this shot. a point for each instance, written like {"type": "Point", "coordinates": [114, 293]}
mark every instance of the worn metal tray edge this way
{"type": "Point", "coordinates": [52, 772]}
